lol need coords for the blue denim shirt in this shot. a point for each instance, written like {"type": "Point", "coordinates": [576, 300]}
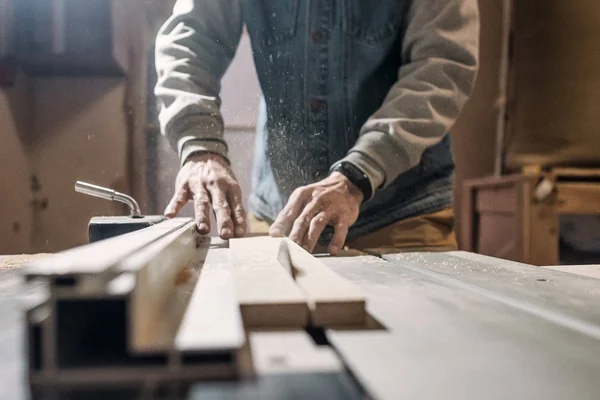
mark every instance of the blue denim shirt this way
{"type": "Point", "coordinates": [378, 84]}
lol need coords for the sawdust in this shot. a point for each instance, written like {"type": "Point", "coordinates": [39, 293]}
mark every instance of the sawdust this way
{"type": "Point", "coordinates": [17, 261]}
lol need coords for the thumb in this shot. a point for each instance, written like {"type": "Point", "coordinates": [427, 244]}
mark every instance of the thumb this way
{"type": "Point", "coordinates": [179, 200]}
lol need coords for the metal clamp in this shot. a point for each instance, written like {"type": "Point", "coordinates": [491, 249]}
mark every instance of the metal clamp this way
{"type": "Point", "coordinates": [109, 194]}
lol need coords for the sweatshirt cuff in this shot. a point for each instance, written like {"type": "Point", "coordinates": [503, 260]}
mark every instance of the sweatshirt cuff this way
{"type": "Point", "coordinates": [379, 155]}
{"type": "Point", "coordinates": [190, 145]}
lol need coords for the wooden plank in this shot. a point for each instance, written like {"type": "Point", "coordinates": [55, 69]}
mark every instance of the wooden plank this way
{"type": "Point", "coordinates": [578, 198]}
{"type": "Point", "coordinates": [267, 294]}
{"type": "Point", "coordinates": [333, 300]}
{"type": "Point", "coordinates": [496, 182]}
{"type": "Point", "coordinates": [565, 172]}
{"type": "Point", "coordinates": [18, 261]}
{"type": "Point", "coordinates": [95, 258]}
{"type": "Point", "coordinates": [212, 321]}
{"type": "Point", "coordinates": [156, 268]}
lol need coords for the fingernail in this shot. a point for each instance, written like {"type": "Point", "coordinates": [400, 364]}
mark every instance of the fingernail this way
{"type": "Point", "coordinates": [225, 232]}
{"type": "Point", "coordinates": [275, 232]}
{"type": "Point", "coordinates": [334, 249]}
{"type": "Point", "coordinates": [203, 228]}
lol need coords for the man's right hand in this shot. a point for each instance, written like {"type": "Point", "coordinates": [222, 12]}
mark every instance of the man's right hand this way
{"type": "Point", "coordinates": [208, 180]}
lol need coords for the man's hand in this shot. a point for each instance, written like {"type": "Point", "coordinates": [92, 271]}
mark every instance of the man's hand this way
{"type": "Point", "coordinates": [208, 180]}
{"type": "Point", "coordinates": [333, 201]}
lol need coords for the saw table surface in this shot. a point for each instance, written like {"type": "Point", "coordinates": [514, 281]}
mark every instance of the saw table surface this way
{"type": "Point", "coordinates": [453, 326]}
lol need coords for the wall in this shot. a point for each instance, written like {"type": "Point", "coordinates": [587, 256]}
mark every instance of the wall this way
{"type": "Point", "coordinates": [54, 132]}
{"type": "Point", "coordinates": [15, 212]}
{"type": "Point", "coordinates": [80, 133]}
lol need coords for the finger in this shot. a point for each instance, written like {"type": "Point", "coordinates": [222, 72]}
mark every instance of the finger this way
{"type": "Point", "coordinates": [178, 201]}
{"type": "Point", "coordinates": [239, 214]}
{"type": "Point", "coordinates": [338, 239]}
{"type": "Point", "coordinates": [222, 211]}
{"type": "Point", "coordinates": [202, 210]}
{"type": "Point", "coordinates": [302, 223]}
{"type": "Point", "coordinates": [317, 224]}
{"type": "Point", "coordinates": [285, 220]}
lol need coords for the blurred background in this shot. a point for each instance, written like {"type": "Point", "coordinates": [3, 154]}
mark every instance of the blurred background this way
{"type": "Point", "coordinates": [76, 103]}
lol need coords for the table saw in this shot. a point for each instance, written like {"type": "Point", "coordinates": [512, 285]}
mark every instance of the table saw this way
{"type": "Point", "coordinates": [163, 313]}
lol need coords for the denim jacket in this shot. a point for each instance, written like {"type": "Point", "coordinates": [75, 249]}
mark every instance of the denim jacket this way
{"type": "Point", "coordinates": [375, 83]}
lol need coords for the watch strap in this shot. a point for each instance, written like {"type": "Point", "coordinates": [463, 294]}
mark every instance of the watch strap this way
{"type": "Point", "coordinates": [356, 176]}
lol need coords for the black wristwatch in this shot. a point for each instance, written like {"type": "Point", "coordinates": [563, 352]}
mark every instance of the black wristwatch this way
{"type": "Point", "coordinates": [356, 176]}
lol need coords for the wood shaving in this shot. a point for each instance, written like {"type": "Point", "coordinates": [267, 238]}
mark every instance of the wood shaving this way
{"type": "Point", "coordinates": [17, 261]}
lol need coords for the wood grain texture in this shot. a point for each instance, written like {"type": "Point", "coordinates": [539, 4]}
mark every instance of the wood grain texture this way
{"type": "Point", "coordinates": [578, 198]}
{"type": "Point", "coordinates": [267, 294]}
{"type": "Point", "coordinates": [97, 257]}
{"type": "Point", "coordinates": [332, 300]}
{"type": "Point", "coordinates": [212, 321]}
{"type": "Point", "coordinates": [156, 270]}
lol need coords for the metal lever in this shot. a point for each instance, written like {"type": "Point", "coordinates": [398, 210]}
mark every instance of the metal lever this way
{"type": "Point", "coordinates": [109, 194]}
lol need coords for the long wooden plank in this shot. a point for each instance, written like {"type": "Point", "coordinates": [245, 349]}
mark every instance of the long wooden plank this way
{"type": "Point", "coordinates": [267, 294]}
{"type": "Point", "coordinates": [332, 300]}
{"type": "Point", "coordinates": [95, 258]}
{"type": "Point", "coordinates": [156, 268]}
{"type": "Point", "coordinates": [212, 321]}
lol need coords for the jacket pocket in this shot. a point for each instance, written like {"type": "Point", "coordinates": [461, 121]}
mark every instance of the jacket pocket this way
{"type": "Point", "coordinates": [373, 22]}
{"type": "Point", "coordinates": [271, 22]}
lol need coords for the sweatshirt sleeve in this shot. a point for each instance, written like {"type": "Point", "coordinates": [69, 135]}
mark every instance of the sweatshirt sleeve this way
{"type": "Point", "coordinates": [440, 53]}
{"type": "Point", "coordinates": [194, 48]}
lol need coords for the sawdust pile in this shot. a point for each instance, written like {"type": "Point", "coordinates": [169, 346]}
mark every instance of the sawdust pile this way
{"type": "Point", "coordinates": [17, 261]}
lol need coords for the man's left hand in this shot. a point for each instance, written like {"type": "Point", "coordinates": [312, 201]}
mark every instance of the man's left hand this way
{"type": "Point", "coordinates": [333, 201]}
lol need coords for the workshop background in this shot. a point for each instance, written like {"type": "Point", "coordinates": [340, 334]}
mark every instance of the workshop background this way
{"type": "Point", "coordinates": [76, 103]}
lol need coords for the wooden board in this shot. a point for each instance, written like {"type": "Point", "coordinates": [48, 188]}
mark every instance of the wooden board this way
{"type": "Point", "coordinates": [578, 198]}
{"type": "Point", "coordinates": [267, 294]}
{"type": "Point", "coordinates": [156, 270]}
{"type": "Point", "coordinates": [98, 257]}
{"type": "Point", "coordinates": [332, 300]}
{"type": "Point", "coordinates": [212, 321]}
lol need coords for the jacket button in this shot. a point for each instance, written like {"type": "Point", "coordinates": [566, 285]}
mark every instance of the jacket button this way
{"type": "Point", "coordinates": [316, 105]}
{"type": "Point", "coordinates": [318, 36]}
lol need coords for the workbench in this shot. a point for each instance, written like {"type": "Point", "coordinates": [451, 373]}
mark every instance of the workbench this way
{"type": "Point", "coordinates": [452, 325]}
